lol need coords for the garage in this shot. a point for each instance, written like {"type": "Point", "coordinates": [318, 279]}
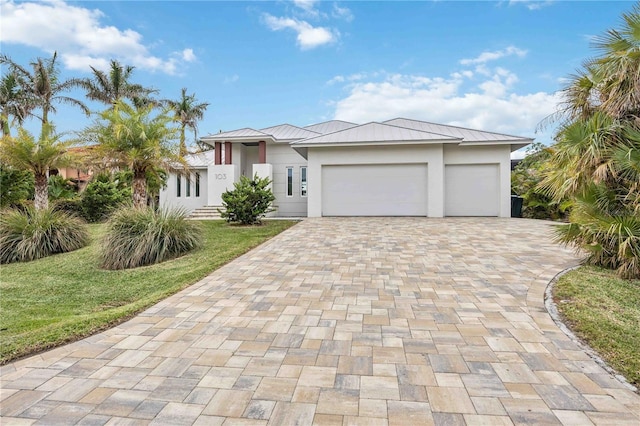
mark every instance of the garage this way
{"type": "Point", "coordinates": [472, 190]}
{"type": "Point", "coordinates": [374, 190]}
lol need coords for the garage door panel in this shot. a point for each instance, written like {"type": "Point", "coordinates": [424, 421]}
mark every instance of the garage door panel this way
{"type": "Point", "coordinates": [374, 190]}
{"type": "Point", "coordinates": [472, 190]}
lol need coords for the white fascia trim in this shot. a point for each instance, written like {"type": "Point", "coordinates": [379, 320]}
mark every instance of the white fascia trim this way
{"type": "Point", "coordinates": [209, 139]}
{"type": "Point", "coordinates": [365, 143]}
{"type": "Point", "coordinates": [506, 142]}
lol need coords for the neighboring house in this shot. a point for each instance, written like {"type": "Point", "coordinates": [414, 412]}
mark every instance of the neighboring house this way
{"type": "Point", "coordinates": [80, 175]}
{"type": "Point", "coordinates": [399, 167]}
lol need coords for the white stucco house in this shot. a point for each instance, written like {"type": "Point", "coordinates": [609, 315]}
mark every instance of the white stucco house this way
{"type": "Point", "coordinates": [399, 167]}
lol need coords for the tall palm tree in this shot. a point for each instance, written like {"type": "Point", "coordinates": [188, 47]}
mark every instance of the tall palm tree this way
{"type": "Point", "coordinates": [131, 136]}
{"type": "Point", "coordinates": [114, 85]}
{"type": "Point", "coordinates": [25, 152]}
{"type": "Point", "coordinates": [42, 85]}
{"type": "Point", "coordinates": [609, 83]}
{"type": "Point", "coordinates": [187, 111]}
{"type": "Point", "coordinates": [619, 67]}
{"type": "Point", "coordinates": [596, 158]}
{"type": "Point", "coordinates": [14, 106]}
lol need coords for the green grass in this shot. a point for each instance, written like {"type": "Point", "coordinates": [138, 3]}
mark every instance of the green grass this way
{"type": "Point", "coordinates": [604, 311]}
{"type": "Point", "coordinates": [65, 297]}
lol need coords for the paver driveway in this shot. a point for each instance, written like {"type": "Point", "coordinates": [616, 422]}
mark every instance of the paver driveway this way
{"type": "Point", "coordinates": [341, 321]}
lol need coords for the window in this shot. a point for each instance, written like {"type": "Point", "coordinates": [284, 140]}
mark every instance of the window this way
{"type": "Point", "coordinates": [188, 186]}
{"type": "Point", "coordinates": [178, 184]}
{"type": "Point", "coordinates": [289, 181]}
{"type": "Point", "coordinates": [197, 184]}
{"type": "Point", "coordinates": [303, 181]}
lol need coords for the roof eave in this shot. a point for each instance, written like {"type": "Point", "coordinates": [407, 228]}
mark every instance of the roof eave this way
{"type": "Point", "coordinates": [209, 139]}
{"type": "Point", "coordinates": [302, 144]}
{"type": "Point", "coordinates": [303, 151]}
{"type": "Point", "coordinates": [497, 142]}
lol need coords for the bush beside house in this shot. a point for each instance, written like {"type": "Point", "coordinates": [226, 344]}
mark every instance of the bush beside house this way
{"type": "Point", "coordinates": [248, 202]}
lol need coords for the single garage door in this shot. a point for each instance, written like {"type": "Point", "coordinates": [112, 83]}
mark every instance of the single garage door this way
{"type": "Point", "coordinates": [472, 190]}
{"type": "Point", "coordinates": [374, 190]}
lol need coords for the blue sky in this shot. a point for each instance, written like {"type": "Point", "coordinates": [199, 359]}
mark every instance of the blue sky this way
{"type": "Point", "coordinates": [489, 65]}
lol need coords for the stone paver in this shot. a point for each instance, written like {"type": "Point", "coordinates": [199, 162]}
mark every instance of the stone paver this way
{"type": "Point", "coordinates": [341, 321]}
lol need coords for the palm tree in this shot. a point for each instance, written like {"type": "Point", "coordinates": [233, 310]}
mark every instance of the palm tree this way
{"type": "Point", "coordinates": [611, 82]}
{"type": "Point", "coordinates": [25, 152]}
{"type": "Point", "coordinates": [42, 86]}
{"type": "Point", "coordinates": [114, 85]}
{"type": "Point", "coordinates": [619, 67]}
{"type": "Point", "coordinates": [596, 158]}
{"type": "Point", "coordinates": [187, 111]}
{"type": "Point", "coordinates": [12, 103]}
{"type": "Point", "coordinates": [131, 136]}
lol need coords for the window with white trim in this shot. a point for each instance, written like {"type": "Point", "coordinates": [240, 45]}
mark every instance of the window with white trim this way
{"type": "Point", "coordinates": [303, 181]}
{"type": "Point", "coordinates": [187, 187]}
{"type": "Point", "coordinates": [197, 184]}
{"type": "Point", "coordinates": [289, 181]}
{"type": "Point", "coordinates": [178, 184]}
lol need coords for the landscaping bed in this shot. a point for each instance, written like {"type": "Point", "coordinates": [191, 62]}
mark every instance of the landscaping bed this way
{"type": "Point", "coordinates": [604, 311]}
{"type": "Point", "coordinates": [65, 297]}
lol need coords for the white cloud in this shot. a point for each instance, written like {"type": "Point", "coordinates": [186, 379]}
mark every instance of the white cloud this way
{"type": "Point", "coordinates": [532, 4]}
{"type": "Point", "coordinates": [496, 54]}
{"type": "Point", "coordinates": [492, 104]}
{"type": "Point", "coordinates": [188, 55]}
{"type": "Point", "coordinates": [307, 8]}
{"type": "Point", "coordinates": [342, 13]}
{"type": "Point", "coordinates": [79, 36]}
{"type": "Point", "coordinates": [305, 4]}
{"type": "Point", "coordinates": [308, 36]}
{"type": "Point", "coordinates": [231, 79]}
{"type": "Point", "coordinates": [350, 78]}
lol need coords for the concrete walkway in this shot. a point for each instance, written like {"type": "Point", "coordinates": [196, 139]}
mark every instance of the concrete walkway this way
{"type": "Point", "coordinates": [398, 321]}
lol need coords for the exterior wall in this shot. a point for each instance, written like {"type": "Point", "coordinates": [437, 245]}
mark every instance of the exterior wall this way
{"type": "Point", "coordinates": [429, 154]}
{"type": "Point", "coordinates": [169, 198]}
{"type": "Point", "coordinates": [249, 158]}
{"type": "Point", "coordinates": [281, 156]}
{"type": "Point", "coordinates": [221, 179]}
{"type": "Point", "coordinates": [81, 177]}
{"type": "Point", "coordinates": [495, 154]}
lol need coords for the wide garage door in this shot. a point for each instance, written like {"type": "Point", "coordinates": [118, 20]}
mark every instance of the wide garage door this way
{"type": "Point", "coordinates": [472, 190]}
{"type": "Point", "coordinates": [374, 190]}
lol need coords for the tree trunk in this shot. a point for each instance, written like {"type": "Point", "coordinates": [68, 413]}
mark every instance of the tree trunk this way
{"type": "Point", "coordinates": [139, 189]}
{"type": "Point", "coordinates": [6, 130]}
{"type": "Point", "coordinates": [41, 200]}
{"type": "Point", "coordinates": [183, 143]}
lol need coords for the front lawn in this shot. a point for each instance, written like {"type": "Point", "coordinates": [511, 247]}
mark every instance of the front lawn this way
{"type": "Point", "coordinates": [62, 298]}
{"type": "Point", "coordinates": [604, 311]}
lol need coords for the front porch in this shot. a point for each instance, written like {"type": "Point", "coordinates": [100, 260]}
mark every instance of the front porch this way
{"type": "Point", "coordinates": [232, 160]}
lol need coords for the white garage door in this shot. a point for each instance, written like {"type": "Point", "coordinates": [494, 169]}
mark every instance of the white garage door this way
{"type": "Point", "coordinates": [374, 190]}
{"type": "Point", "coordinates": [472, 190]}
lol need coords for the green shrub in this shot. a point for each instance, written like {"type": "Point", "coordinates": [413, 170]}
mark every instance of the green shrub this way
{"type": "Point", "coordinates": [248, 202]}
{"type": "Point", "coordinates": [72, 206]}
{"type": "Point", "coordinates": [525, 179]}
{"type": "Point", "coordinates": [143, 236]}
{"type": "Point", "coordinates": [608, 233]}
{"type": "Point", "coordinates": [60, 188]}
{"type": "Point", "coordinates": [16, 186]}
{"type": "Point", "coordinates": [103, 195]}
{"type": "Point", "coordinates": [29, 234]}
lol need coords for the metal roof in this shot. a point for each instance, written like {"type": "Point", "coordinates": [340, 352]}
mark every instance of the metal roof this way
{"type": "Point", "coordinates": [201, 159]}
{"type": "Point", "coordinates": [288, 132]}
{"type": "Point", "coordinates": [467, 135]}
{"type": "Point", "coordinates": [330, 126]}
{"type": "Point", "coordinates": [374, 132]}
{"type": "Point", "coordinates": [235, 134]}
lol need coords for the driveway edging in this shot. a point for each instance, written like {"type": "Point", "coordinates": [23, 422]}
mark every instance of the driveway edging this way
{"type": "Point", "coordinates": [554, 313]}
